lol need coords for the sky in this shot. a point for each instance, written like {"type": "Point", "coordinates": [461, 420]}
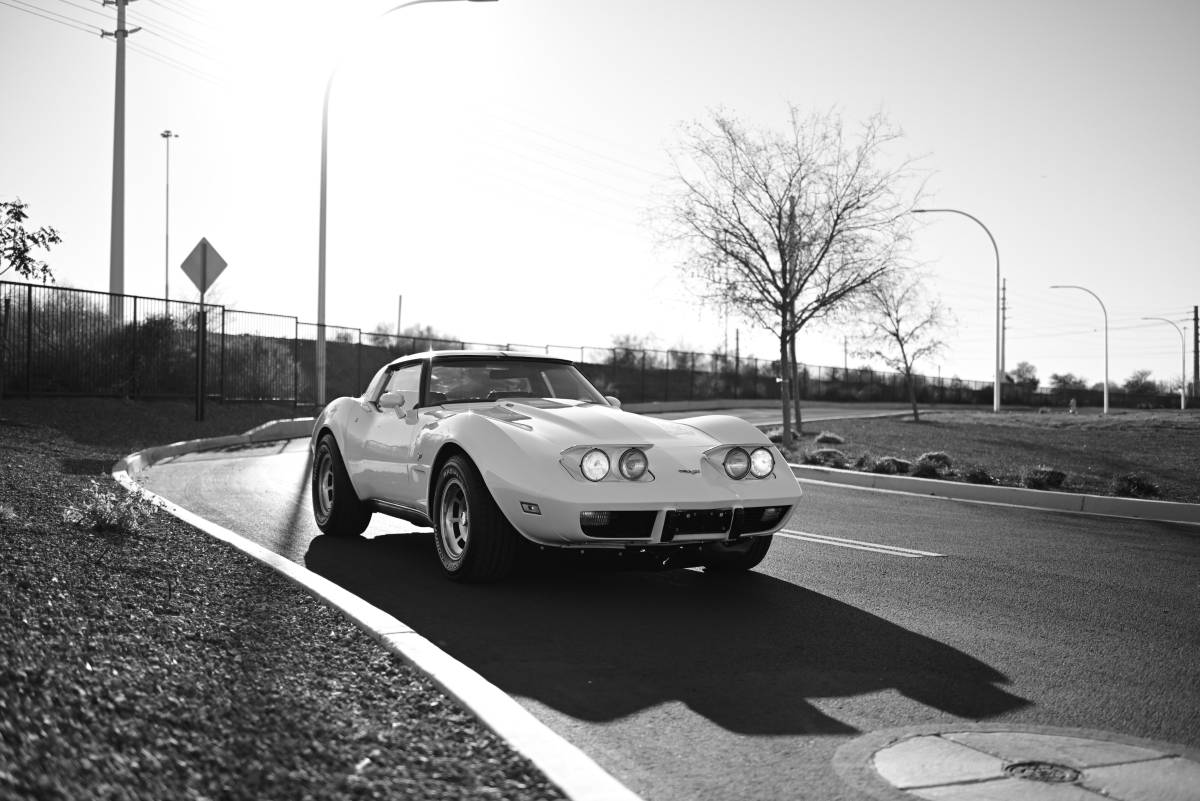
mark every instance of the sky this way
{"type": "Point", "coordinates": [497, 164]}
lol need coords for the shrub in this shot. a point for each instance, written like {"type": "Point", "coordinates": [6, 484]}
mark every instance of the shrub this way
{"type": "Point", "coordinates": [827, 457]}
{"type": "Point", "coordinates": [1134, 485]}
{"type": "Point", "coordinates": [977, 475]}
{"type": "Point", "coordinates": [926, 469]}
{"type": "Point", "coordinates": [108, 510]}
{"type": "Point", "coordinates": [776, 434]}
{"type": "Point", "coordinates": [890, 466]}
{"type": "Point", "coordinates": [7, 514]}
{"type": "Point", "coordinates": [1043, 478]}
{"type": "Point", "coordinates": [829, 438]}
{"type": "Point", "coordinates": [939, 459]}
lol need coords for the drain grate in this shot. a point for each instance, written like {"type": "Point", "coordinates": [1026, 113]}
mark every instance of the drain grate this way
{"type": "Point", "coordinates": [1041, 772]}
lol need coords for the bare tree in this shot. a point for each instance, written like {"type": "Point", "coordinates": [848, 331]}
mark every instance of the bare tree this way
{"type": "Point", "coordinates": [784, 227]}
{"type": "Point", "coordinates": [902, 325]}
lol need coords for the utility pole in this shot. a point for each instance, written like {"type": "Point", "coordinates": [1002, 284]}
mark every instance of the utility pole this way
{"type": "Point", "coordinates": [1196, 351]}
{"type": "Point", "coordinates": [399, 308]}
{"type": "Point", "coordinates": [168, 136]}
{"type": "Point", "coordinates": [1003, 327]}
{"type": "Point", "coordinates": [116, 254]}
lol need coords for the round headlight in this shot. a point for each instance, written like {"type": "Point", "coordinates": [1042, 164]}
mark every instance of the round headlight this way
{"type": "Point", "coordinates": [594, 465]}
{"type": "Point", "coordinates": [737, 463]}
{"type": "Point", "coordinates": [633, 464]}
{"type": "Point", "coordinates": [762, 462]}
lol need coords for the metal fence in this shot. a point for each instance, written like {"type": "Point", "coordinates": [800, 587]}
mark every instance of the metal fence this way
{"type": "Point", "coordinates": [62, 341]}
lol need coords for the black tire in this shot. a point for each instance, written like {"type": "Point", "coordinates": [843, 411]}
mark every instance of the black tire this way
{"type": "Point", "coordinates": [474, 540]}
{"type": "Point", "coordinates": [739, 556]}
{"type": "Point", "coordinates": [336, 507]}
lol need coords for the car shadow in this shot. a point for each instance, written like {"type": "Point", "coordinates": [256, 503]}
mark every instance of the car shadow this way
{"type": "Point", "coordinates": [745, 651]}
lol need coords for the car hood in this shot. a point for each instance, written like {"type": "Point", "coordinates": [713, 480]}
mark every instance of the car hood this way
{"type": "Point", "coordinates": [565, 424]}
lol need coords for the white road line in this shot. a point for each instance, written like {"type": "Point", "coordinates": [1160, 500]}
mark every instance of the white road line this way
{"type": "Point", "coordinates": [858, 545]}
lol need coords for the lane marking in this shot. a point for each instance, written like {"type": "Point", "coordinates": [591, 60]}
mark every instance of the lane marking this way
{"type": "Point", "coordinates": [858, 545]}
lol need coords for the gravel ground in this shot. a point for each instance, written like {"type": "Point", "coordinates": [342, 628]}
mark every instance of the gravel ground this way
{"type": "Point", "coordinates": [165, 664]}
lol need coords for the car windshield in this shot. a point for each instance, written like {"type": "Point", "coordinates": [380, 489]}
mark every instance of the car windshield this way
{"type": "Point", "coordinates": [473, 380]}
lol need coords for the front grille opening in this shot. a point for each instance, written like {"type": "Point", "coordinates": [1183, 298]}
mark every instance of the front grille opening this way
{"type": "Point", "coordinates": [611, 524]}
{"type": "Point", "coordinates": [696, 521]}
{"type": "Point", "coordinates": [754, 519]}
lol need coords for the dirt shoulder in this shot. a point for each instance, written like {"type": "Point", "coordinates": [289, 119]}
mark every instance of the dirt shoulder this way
{"type": "Point", "coordinates": [164, 664]}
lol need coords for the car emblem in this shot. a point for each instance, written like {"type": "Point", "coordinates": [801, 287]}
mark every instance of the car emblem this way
{"type": "Point", "coordinates": [688, 471]}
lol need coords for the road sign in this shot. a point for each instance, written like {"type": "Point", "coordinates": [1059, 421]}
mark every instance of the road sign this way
{"type": "Point", "coordinates": [203, 265]}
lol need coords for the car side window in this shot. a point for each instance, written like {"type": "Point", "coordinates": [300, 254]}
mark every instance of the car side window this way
{"type": "Point", "coordinates": [408, 377]}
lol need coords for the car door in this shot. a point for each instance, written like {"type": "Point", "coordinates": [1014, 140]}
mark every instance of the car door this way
{"type": "Point", "coordinates": [385, 434]}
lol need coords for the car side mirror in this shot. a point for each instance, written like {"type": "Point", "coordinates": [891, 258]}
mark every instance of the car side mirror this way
{"type": "Point", "coordinates": [396, 399]}
{"type": "Point", "coordinates": [616, 404]}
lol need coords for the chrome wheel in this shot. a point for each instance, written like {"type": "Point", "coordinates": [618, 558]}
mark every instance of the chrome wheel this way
{"type": "Point", "coordinates": [454, 519]}
{"type": "Point", "coordinates": [325, 479]}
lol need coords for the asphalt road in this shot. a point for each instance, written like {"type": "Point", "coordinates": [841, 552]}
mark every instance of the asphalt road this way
{"type": "Point", "coordinates": [688, 686]}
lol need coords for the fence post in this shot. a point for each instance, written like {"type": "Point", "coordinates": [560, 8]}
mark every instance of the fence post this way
{"type": "Point", "coordinates": [133, 355]}
{"type": "Point", "coordinates": [29, 342]}
{"type": "Point", "coordinates": [200, 362]}
{"type": "Point", "coordinates": [295, 363]}
{"type": "Point", "coordinates": [3, 345]}
{"type": "Point", "coordinates": [221, 385]}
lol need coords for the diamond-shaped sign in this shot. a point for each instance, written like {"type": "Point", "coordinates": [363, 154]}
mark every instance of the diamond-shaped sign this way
{"type": "Point", "coordinates": [203, 265]}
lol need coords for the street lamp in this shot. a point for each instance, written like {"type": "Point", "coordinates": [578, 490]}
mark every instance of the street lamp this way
{"type": "Point", "coordinates": [1105, 311]}
{"type": "Point", "coordinates": [999, 334]}
{"type": "Point", "coordinates": [167, 137]}
{"type": "Point", "coordinates": [321, 225]}
{"type": "Point", "coordinates": [1182, 361]}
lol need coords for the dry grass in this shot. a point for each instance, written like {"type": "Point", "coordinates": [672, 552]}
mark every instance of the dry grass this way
{"type": "Point", "coordinates": [1092, 450]}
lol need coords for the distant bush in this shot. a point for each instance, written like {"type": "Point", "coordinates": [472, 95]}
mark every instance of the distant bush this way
{"type": "Point", "coordinates": [827, 457]}
{"type": "Point", "coordinates": [939, 459]}
{"type": "Point", "coordinates": [1043, 478]}
{"type": "Point", "coordinates": [7, 514]}
{"type": "Point", "coordinates": [890, 466]}
{"type": "Point", "coordinates": [829, 438]}
{"type": "Point", "coordinates": [776, 434]}
{"type": "Point", "coordinates": [1134, 485]}
{"type": "Point", "coordinates": [926, 469]}
{"type": "Point", "coordinates": [977, 475]}
{"type": "Point", "coordinates": [110, 510]}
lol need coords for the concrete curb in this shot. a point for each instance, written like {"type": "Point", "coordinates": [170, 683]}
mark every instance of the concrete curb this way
{"type": "Point", "coordinates": [569, 768]}
{"type": "Point", "coordinates": [1164, 511]}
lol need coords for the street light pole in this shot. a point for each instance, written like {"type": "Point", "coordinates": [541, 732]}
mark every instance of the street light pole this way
{"type": "Point", "coordinates": [1105, 311]}
{"type": "Point", "coordinates": [167, 136]}
{"type": "Point", "coordinates": [999, 346]}
{"type": "Point", "coordinates": [1182, 361]}
{"type": "Point", "coordinates": [320, 348]}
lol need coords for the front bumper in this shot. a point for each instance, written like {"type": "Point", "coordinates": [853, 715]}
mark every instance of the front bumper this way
{"type": "Point", "coordinates": [673, 510]}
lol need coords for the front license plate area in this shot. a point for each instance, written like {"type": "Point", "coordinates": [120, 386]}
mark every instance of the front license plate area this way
{"type": "Point", "coordinates": [696, 521]}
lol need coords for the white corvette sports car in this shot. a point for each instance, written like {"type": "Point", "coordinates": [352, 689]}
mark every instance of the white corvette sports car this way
{"type": "Point", "coordinates": [492, 448]}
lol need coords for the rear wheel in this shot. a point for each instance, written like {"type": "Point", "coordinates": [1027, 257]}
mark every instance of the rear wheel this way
{"type": "Point", "coordinates": [475, 542]}
{"type": "Point", "coordinates": [336, 507]}
{"type": "Point", "coordinates": [738, 556]}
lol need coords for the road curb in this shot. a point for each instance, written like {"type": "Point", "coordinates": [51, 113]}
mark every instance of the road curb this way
{"type": "Point", "coordinates": [566, 766]}
{"type": "Point", "coordinates": [1163, 511]}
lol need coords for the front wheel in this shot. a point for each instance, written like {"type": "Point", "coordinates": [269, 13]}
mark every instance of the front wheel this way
{"type": "Point", "coordinates": [336, 507]}
{"type": "Point", "coordinates": [474, 540]}
{"type": "Point", "coordinates": [739, 556]}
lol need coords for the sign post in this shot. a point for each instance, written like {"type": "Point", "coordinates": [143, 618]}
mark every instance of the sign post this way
{"type": "Point", "coordinates": [202, 265]}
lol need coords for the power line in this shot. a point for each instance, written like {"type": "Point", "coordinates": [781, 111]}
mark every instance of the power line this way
{"type": "Point", "coordinates": [183, 14]}
{"type": "Point", "coordinates": [174, 63]}
{"type": "Point", "coordinates": [69, 22]}
{"type": "Point", "coordinates": [86, 8]}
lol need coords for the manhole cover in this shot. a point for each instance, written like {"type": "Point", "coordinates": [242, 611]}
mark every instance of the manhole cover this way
{"type": "Point", "coordinates": [1041, 772]}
